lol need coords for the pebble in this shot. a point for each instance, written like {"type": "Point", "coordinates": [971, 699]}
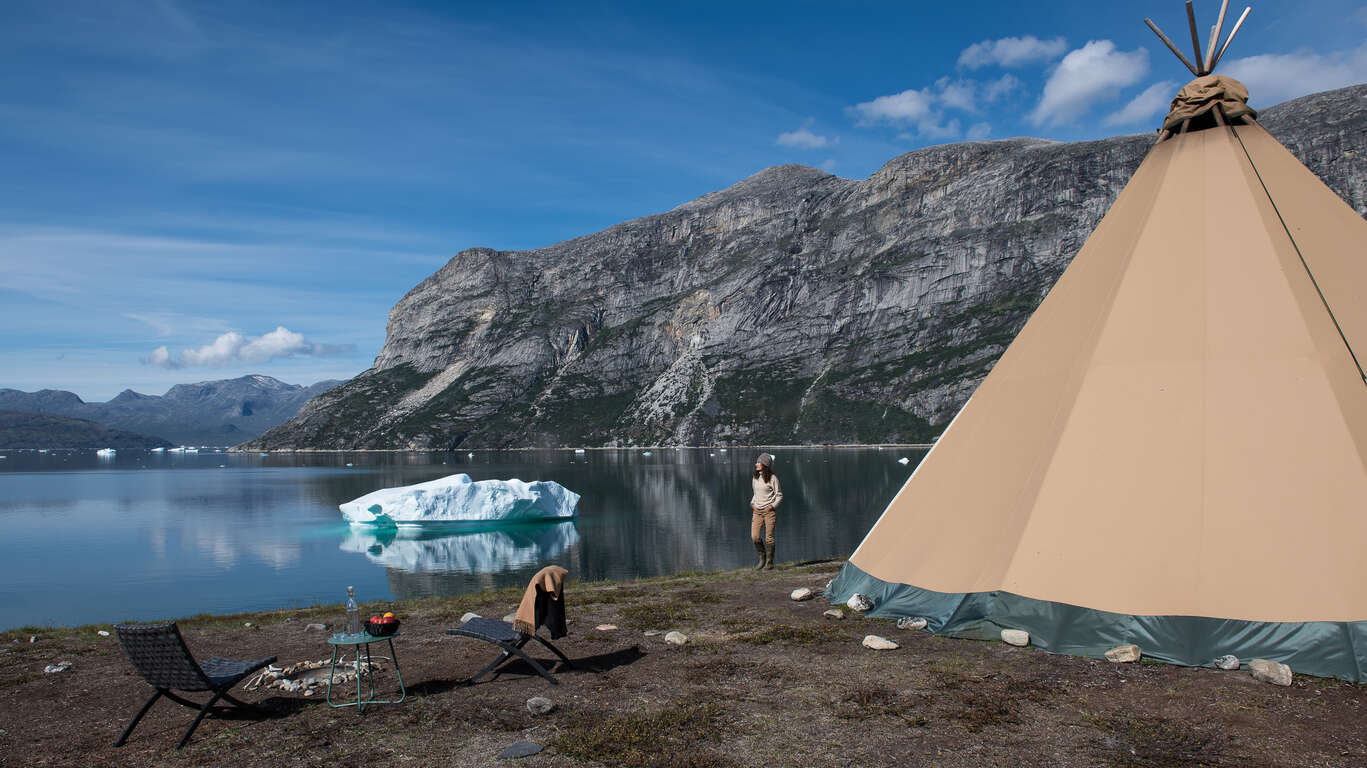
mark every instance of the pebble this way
{"type": "Point", "coordinates": [880, 643]}
{"type": "Point", "coordinates": [606, 627]}
{"type": "Point", "coordinates": [859, 603]}
{"type": "Point", "coordinates": [834, 613]}
{"type": "Point", "coordinates": [676, 638]}
{"type": "Point", "coordinates": [470, 615]}
{"type": "Point", "coordinates": [1017, 637]}
{"type": "Point", "coordinates": [103, 633]}
{"type": "Point", "coordinates": [653, 632]}
{"type": "Point", "coordinates": [520, 749]}
{"type": "Point", "coordinates": [315, 628]}
{"type": "Point", "coordinates": [540, 705]}
{"type": "Point", "coordinates": [60, 666]}
{"type": "Point", "coordinates": [1227, 662]}
{"type": "Point", "coordinates": [802, 593]}
{"type": "Point", "coordinates": [911, 622]}
{"type": "Point", "coordinates": [1270, 672]}
{"type": "Point", "coordinates": [1122, 654]}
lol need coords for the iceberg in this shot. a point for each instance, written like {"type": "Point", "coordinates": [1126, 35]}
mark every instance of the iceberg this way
{"type": "Point", "coordinates": [105, 452]}
{"type": "Point", "coordinates": [479, 551]}
{"type": "Point", "coordinates": [456, 500]}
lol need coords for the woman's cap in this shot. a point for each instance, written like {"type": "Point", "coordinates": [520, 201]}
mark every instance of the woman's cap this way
{"type": "Point", "coordinates": [765, 459]}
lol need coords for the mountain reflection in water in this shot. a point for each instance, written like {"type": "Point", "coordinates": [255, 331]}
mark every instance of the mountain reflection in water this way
{"type": "Point", "coordinates": [483, 549]}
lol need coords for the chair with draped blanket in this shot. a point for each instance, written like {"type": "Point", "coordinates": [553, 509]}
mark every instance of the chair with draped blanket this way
{"type": "Point", "coordinates": [543, 604]}
{"type": "Point", "coordinates": [159, 654]}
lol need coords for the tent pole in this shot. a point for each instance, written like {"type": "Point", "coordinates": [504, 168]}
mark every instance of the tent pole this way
{"type": "Point", "coordinates": [1185, 125]}
{"type": "Point", "coordinates": [1215, 36]}
{"type": "Point", "coordinates": [1232, 33]}
{"type": "Point", "coordinates": [1220, 116]}
{"type": "Point", "coordinates": [1171, 47]}
{"type": "Point", "coordinates": [1195, 39]}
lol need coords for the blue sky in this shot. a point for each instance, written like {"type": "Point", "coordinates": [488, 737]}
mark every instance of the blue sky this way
{"type": "Point", "coordinates": [202, 190]}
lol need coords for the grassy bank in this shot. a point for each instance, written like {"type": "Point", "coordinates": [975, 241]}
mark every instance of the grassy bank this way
{"type": "Point", "coordinates": [762, 681]}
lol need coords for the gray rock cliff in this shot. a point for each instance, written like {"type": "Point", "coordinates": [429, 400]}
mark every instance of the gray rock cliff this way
{"type": "Point", "coordinates": [792, 307]}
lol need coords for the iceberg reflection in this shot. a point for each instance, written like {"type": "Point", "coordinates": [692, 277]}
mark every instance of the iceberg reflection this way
{"type": "Point", "coordinates": [484, 549]}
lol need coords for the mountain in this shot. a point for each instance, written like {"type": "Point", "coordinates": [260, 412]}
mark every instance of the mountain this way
{"type": "Point", "coordinates": [37, 430]}
{"type": "Point", "coordinates": [224, 412]}
{"type": "Point", "coordinates": [792, 307]}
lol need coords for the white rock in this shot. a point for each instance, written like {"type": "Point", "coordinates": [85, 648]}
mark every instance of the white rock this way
{"type": "Point", "coordinates": [315, 628]}
{"type": "Point", "coordinates": [802, 593]}
{"type": "Point", "coordinates": [653, 633]}
{"type": "Point", "coordinates": [1270, 672]}
{"type": "Point", "coordinates": [911, 622]}
{"type": "Point", "coordinates": [859, 603]}
{"type": "Point", "coordinates": [834, 613]}
{"type": "Point", "coordinates": [247, 624]}
{"type": "Point", "coordinates": [469, 615]}
{"type": "Point", "coordinates": [457, 498]}
{"type": "Point", "coordinates": [1122, 654]}
{"type": "Point", "coordinates": [1227, 662]}
{"type": "Point", "coordinates": [60, 666]}
{"type": "Point", "coordinates": [606, 627]}
{"type": "Point", "coordinates": [676, 638]}
{"type": "Point", "coordinates": [1016, 637]}
{"type": "Point", "coordinates": [540, 705]}
{"type": "Point", "coordinates": [103, 633]}
{"type": "Point", "coordinates": [880, 643]}
{"type": "Point", "coordinates": [510, 618]}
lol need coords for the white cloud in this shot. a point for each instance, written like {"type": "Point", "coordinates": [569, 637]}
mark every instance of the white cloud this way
{"type": "Point", "coordinates": [802, 138]}
{"type": "Point", "coordinates": [1000, 87]}
{"type": "Point", "coordinates": [1275, 77]}
{"type": "Point", "coordinates": [1152, 103]}
{"type": "Point", "coordinates": [1011, 52]}
{"type": "Point", "coordinates": [233, 348]}
{"type": "Point", "coordinates": [905, 108]}
{"type": "Point", "coordinates": [978, 131]}
{"type": "Point", "coordinates": [1087, 75]}
{"type": "Point", "coordinates": [958, 94]}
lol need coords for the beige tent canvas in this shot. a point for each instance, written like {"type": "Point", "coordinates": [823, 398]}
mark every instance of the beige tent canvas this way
{"type": "Point", "coordinates": [1173, 451]}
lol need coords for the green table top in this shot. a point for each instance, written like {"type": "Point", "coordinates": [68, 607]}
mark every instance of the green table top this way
{"type": "Point", "coordinates": [359, 638]}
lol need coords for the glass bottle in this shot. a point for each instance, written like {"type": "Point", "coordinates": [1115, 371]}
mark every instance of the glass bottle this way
{"type": "Point", "coordinates": [353, 612]}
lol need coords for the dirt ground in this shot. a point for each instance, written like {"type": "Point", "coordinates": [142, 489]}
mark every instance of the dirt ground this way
{"type": "Point", "coordinates": [763, 681]}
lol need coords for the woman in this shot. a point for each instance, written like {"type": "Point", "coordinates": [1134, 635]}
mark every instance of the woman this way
{"type": "Point", "coordinates": [763, 505]}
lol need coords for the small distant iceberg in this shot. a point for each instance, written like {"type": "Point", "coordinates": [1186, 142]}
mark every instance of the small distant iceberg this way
{"type": "Point", "coordinates": [159, 449]}
{"type": "Point", "coordinates": [105, 452]}
{"type": "Point", "coordinates": [457, 500]}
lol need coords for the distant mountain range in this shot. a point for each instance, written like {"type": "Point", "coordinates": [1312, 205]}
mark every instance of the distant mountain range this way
{"type": "Point", "coordinates": [38, 430]}
{"type": "Point", "coordinates": [225, 412]}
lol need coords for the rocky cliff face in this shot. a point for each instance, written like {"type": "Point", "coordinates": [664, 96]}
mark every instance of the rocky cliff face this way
{"type": "Point", "coordinates": [225, 412]}
{"type": "Point", "coordinates": [792, 307]}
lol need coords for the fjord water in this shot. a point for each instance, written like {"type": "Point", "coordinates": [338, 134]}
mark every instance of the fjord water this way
{"type": "Point", "coordinates": [145, 536]}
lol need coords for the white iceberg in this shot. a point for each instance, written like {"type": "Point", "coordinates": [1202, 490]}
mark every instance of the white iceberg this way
{"type": "Point", "coordinates": [482, 551]}
{"type": "Point", "coordinates": [105, 452]}
{"type": "Point", "coordinates": [457, 499]}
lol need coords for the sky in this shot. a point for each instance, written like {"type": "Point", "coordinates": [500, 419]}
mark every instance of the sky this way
{"type": "Point", "coordinates": [205, 190]}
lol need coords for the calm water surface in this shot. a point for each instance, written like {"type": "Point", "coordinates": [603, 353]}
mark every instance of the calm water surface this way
{"type": "Point", "coordinates": [143, 536]}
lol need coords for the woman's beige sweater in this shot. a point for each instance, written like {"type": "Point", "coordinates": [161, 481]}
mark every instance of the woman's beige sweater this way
{"type": "Point", "coordinates": [767, 495]}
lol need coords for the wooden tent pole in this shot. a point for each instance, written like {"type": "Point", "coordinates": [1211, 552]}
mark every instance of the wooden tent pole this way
{"type": "Point", "coordinates": [1215, 36]}
{"type": "Point", "coordinates": [1172, 47]}
{"type": "Point", "coordinates": [1195, 39]}
{"type": "Point", "coordinates": [1232, 33]}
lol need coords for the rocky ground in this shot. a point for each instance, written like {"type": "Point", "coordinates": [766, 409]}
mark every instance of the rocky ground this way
{"type": "Point", "coordinates": [762, 681]}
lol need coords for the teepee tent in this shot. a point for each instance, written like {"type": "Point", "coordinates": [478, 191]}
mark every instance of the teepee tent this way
{"type": "Point", "coordinates": [1173, 451]}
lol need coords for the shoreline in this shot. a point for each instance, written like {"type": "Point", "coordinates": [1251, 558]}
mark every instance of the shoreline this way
{"type": "Point", "coordinates": [912, 446]}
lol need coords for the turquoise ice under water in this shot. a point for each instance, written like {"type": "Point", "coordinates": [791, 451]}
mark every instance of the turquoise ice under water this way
{"type": "Point", "coordinates": [144, 535]}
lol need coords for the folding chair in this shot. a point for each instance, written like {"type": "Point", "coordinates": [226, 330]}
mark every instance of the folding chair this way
{"type": "Point", "coordinates": [159, 654]}
{"type": "Point", "coordinates": [511, 641]}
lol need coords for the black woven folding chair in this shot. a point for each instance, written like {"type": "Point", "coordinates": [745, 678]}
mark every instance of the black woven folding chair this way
{"type": "Point", "coordinates": [511, 641]}
{"type": "Point", "coordinates": [159, 654]}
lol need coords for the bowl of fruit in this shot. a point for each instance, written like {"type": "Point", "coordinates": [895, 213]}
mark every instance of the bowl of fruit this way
{"type": "Point", "coordinates": [382, 625]}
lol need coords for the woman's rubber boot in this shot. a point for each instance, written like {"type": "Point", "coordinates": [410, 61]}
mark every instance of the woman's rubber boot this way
{"type": "Point", "coordinates": [759, 550]}
{"type": "Point", "coordinates": [769, 557]}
